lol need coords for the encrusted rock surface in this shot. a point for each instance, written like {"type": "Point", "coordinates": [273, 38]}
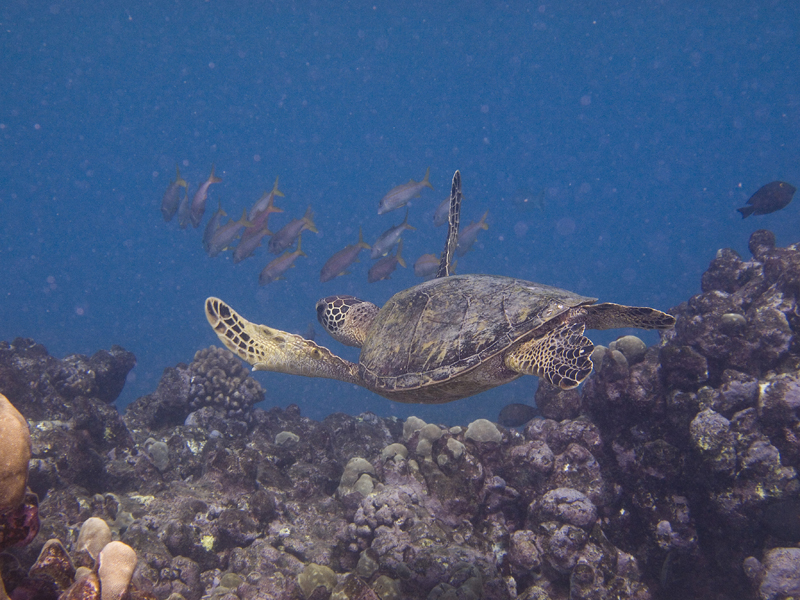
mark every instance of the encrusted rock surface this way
{"type": "Point", "coordinates": [671, 473]}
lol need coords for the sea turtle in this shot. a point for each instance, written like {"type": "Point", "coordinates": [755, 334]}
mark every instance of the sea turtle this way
{"type": "Point", "coordinates": [442, 340]}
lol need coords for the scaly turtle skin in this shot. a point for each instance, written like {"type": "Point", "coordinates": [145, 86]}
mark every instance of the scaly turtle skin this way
{"type": "Point", "coordinates": [444, 339]}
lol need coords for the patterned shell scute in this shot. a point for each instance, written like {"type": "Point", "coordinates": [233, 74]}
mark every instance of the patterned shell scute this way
{"type": "Point", "coordinates": [444, 327]}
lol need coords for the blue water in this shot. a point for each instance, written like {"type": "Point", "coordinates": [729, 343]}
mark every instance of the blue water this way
{"type": "Point", "coordinates": [643, 128]}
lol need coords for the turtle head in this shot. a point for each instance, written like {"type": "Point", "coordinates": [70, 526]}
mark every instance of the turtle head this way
{"type": "Point", "coordinates": [346, 318]}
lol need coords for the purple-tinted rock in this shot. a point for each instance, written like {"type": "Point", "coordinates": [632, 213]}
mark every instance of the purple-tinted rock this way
{"type": "Point", "coordinates": [761, 243]}
{"type": "Point", "coordinates": [557, 404]}
{"type": "Point", "coordinates": [523, 552]}
{"type": "Point", "coordinates": [683, 368]}
{"type": "Point", "coordinates": [567, 506]}
{"type": "Point", "coordinates": [727, 272]}
{"type": "Point", "coordinates": [779, 576]}
{"type": "Point", "coordinates": [779, 403]}
{"type": "Point", "coordinates": [562, 545]}
{"type": "Point", "coordinates": [712, 437]}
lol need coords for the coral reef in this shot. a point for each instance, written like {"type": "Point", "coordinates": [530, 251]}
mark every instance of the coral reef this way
{"type": "Point", "coordinates": [215, 380]}
{"type": "Point", "coordinates": [671, 473]}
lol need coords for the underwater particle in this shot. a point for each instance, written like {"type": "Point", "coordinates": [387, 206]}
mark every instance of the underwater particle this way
{"type": "Point", "coordinates": [286, 436]}
{"type": "Point", "coordinates": [769, 198]}
{"type": "Point", "coordinates": [314, 576]}
{"type": "Point", "coordinates": [483, 430]}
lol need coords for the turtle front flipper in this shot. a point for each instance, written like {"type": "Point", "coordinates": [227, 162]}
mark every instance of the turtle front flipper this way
{"type": "Point", "coordinates": [562, 356]}
{"type": "Point", "coordinates": [270, 349]}
{"type": "Point", "coordinates": [615, 316]}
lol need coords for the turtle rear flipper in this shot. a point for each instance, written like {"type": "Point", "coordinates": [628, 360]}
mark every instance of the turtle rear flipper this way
{"type": "Point", "coordinates": [270, 349]}
{"type": "Point", "coordinates": [562, 356]}
{"type": "Point", "coordinates": [615, 316]}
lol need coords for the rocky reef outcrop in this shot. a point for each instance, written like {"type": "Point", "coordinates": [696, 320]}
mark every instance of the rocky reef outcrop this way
{"type": "Point", "coordinates": [671, 473]}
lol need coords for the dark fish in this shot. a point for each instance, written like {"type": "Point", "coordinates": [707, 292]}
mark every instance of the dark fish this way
{"type": "Point", "coordinates": [280, 265]}
{"type": "Point", "coordinates": [468, 235]}
{"type": "Point", "coordinates": [345, 257]}
{"type": "Point", "coordinates": [386, 266]}
{"type": "Point", "coordinates": [223, 237]}
{"type": "Point", "coordinates": [389, 238]}
{"type": "Point", "coordinates": [287, 235]}
{"type": "Point", "coordinates": [213, 224]}
{"type": "Point", "coordinates": [773, 196]}
{"type": "Point", "coordinates": [781, 519]}
{"type": "Point", "coordinates": [427, 265]}
{"type": "Point", "coordinates": [400, 195]}
{"type": "Point", "coordinates": [200, 196]}
{"type": "Point", "coordinates": [247, 245]}
{"type": "Point", "coordinates": [172, 197]}
{"type": "Point", "coordinates": [515, 415]}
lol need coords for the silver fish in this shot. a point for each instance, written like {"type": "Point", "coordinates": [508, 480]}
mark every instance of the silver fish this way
{"type": "Point", "coordinates": [266, 202]}
{"type": "Point", "coordinates": [172, 197]}
{"type": "Point", "coordinates": [345, 257]}
{"type": "Point", "coordinates": [275, 269]}
{"type": "Point", "coordinates": [386, 266]}
{"type": "Point", "coordinates": [212, 226]}
{"type": "Point", "coordinates": [224, 236]}
{"type": "Point", "coordinates": [261, 219]}
{"type": "Point", "coordinates": [400, 195]}
{"type": "Point", "coordinates": [184, 211]}
{"type": "Point", "coordinates": [247, 245]}
{"type": "Point", "coordinates": [200, 196]}
{"type": "Point", "coordinates": [389, 238]}
{"type": "Point", "coordinates": [440, 216]}
{"type": "Point", "coordinates": [468, 235]}
{"type": "Point", "coordinates": [286, 236]}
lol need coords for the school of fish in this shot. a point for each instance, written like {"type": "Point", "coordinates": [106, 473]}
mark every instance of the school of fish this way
{"type": "Point", "coordinates": [243, 237]}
